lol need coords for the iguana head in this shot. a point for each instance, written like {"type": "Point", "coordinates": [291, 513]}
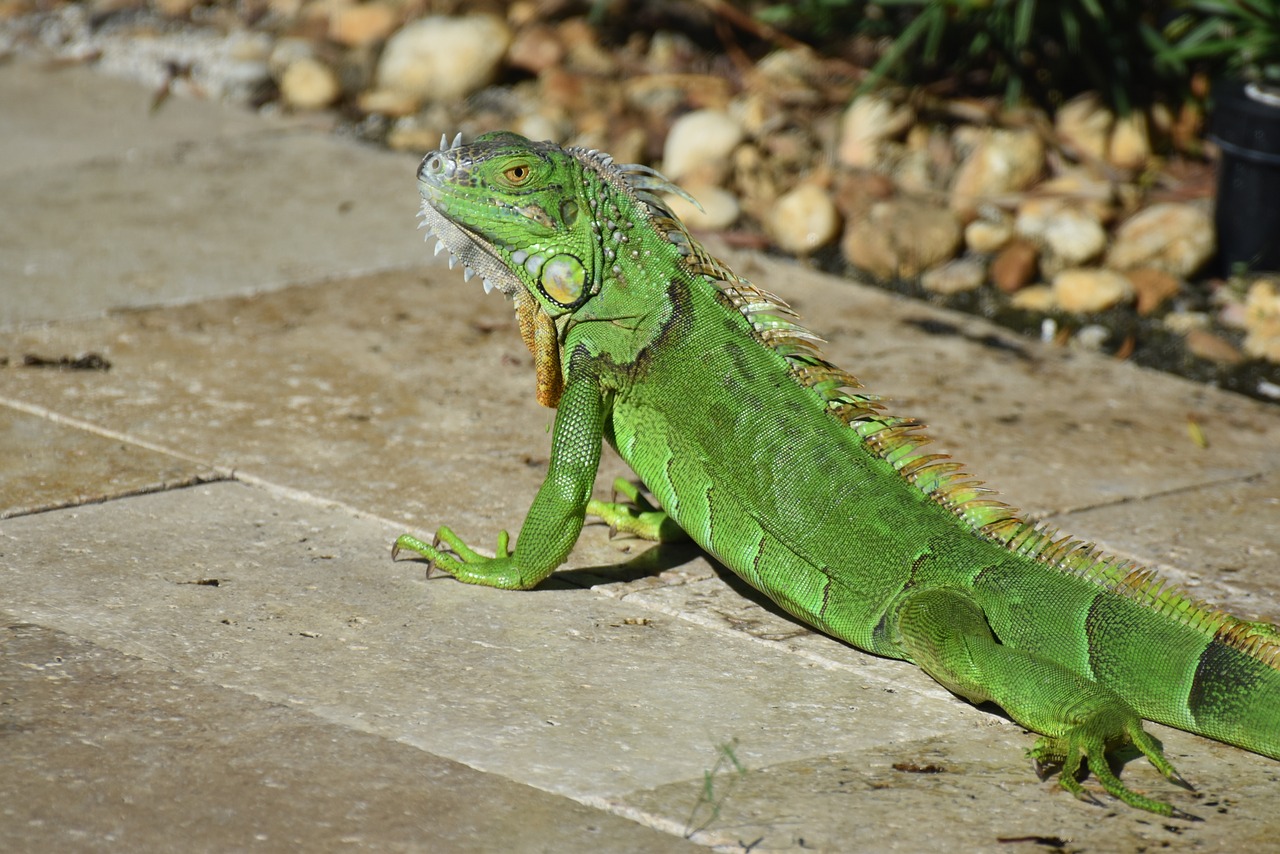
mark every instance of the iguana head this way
{"type": "Point", "coordinates": [508, 209]}
{"type": "Point", "coordinates": [545, 225]}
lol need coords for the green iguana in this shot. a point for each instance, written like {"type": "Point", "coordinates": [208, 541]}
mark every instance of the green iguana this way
{"type": "Point", "coordinates": [773, 461]}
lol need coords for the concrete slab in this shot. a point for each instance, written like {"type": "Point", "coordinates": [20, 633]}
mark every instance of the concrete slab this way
{"type": "Point", "coordinates": [106, 752]}
{"type": "Point", "coordinates": [1221, 542]}
{"type": "Point", "coordinates": [948, 795]}
{"type": "Point", "coordinates": [179, 209]}
{"type": "Point", "coordinates": [205, 219]}
{"type": "Point", "coordinates": [1051, 429]}
{"type": "Point", "coordinates": [560, 688]}
{"type": "Point", "coordinates": [45, 465]}
{"type": "Point", "coordinates": [59, 116]}
{"type": "Point", "coordinates": [608, 702]}
{"type": "Point", "coordinates": [408, 394]}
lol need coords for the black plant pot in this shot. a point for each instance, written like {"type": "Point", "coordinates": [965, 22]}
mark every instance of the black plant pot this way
{"type": "Point", "coordinates": [1246, 127]}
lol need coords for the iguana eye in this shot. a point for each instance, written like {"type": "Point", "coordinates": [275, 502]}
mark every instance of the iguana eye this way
{"type": "Point", "coordinates": [518, 174]}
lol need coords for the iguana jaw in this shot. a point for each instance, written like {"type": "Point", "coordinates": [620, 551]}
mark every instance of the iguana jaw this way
{"type": "Point", "coordinates": [477, 255]}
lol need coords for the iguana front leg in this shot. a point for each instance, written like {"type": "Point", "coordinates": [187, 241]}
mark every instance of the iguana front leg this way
{"type": "Point", "coordinates": [946, 633]}
{"type": "Point", "coordinates": [554, 520]}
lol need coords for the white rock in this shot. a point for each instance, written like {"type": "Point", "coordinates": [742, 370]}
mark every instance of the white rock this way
{"type": "Point", "coordinates": [1087, 290]}
{"type": "Point", "coordinates": [442, 58]}
{"type": "Point", "coordinates": [803, 219]}
{"type": "Point", "coordinates": [1091, 337]}
{"type": "Point", "coordinates": [1084, 125]}
{"type": "Point", "coordinates": [1175, 237]}
{"type": "Point", "coordinates": [701, 142]}
{"type": "Point", "coordinates": [953, 277]}
{"type": "Point", "coordinates": [987, 236]}
{"type": "Point", "coordinates": [287, 51]}
{"type": "Point", "coordinates": [869, 121]}
{"type": "Point", "coordinates": [1004, 161]}
{"type": "Point", "coordinates": [720, 208]}
{"type": "Point", "coordinates": [309, 84]}
{"type": "Point", "coordinates": [1074, 237]}
{"type": "Point", "coordinates": [1037, 298]}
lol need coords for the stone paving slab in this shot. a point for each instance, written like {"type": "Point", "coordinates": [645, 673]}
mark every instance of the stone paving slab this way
{"type": "Point", "coordinates": [576, 693]}
{"type": "Point", "coordinates": [108, 752]}
{"type": "Point", "coordinates": [409, 394]}
{"type": "Point", "coordinates": [1221, 542]}
{"type": "Point", "coordinates": [605, 701]}
{"type": "Point", "coordinates": [59, 117]}
{"type": "Point", "coordinates": [973, 794]}
{"type": "Point", "coordinates": [187, 214]}
{"type": "Point", "coordinates": [45, 464]}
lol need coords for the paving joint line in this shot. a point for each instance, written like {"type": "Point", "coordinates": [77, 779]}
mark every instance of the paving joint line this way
{"type": "Point", "coordinates": [148, 489]}
{"type": "Point", "coordinates": [1162, 493]}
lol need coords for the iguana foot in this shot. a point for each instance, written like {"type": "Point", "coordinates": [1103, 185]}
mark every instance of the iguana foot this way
{"type": "Point", "coordinates": [464, 563]}
{"type": "Point", "coordinates": [1089, 740]}
{"type": "Point", "coordinates": [637, 516]}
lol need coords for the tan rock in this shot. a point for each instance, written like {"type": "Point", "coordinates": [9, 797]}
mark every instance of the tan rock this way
{"type": "Point", "coordinates": [1072, 238]}
{"type": "Point", "coordinates": [1015, 265]}
{"type": "Point", "coordinates": [1153, 288]}
{"type": "Point", "coordinates": [583, 51]}
{"type": "Point", "coordinates": [901, 238]}
{"type": "Point", "coordinates": [1086, 290]}
{"type": "Point", "coordinates": [1130, 143]}
{"type": "Point", "coordinates": [1038, 298]}
{"type": "Point", "coordinates": [1262, 320]}
{"type": "Point", "coordinates": [363, 25]}
{"type": "Point", "coordinates": [803, 219]}
{"type": "Point", "coordinates": [441, 58]}
{"type": "Point", "coordinates": [536, 49]}
{"type": "Point", "coordinates": [1004, 161]}
{"type": "Point", "coordinates": [956, 276]}
{"type": "Point", "coordinates": [1074, 188]}
{"type": "Point", "coordinates": [866, 124]}
{"type": "Point", "coordinates": [720, 208]}
{"type": "Point", "coordinates": [392, 102]}
{"type": "Point", "coordinates": [701, 143]}
{"type": "Point", "coordinates": [1206, 345]}
{"type": "Point", "coordinates": [309, 84]}
{"type": "Point", "coordinates": [987, 236]}
{"type": "Point", "coordinates": [168, 8]}
{"type": "Point", "coordinates": [1083, 124]}
{"type": "Point", "coordinates": [857, 192]}
{"type": "Point", "coordinates": [1175, 237]}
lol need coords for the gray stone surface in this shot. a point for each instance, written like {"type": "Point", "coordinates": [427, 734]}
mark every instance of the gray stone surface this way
{"type": "Point", "coordinates": [181, 208]}
{"type": "Point", "coordinates": [110, 752]}
{"type": "Point", "coordinates": [1221, 542]}
{"type": "Point", "coordinates": [324, 696]}
{"type": "Point", "coordinates": [45, 464]}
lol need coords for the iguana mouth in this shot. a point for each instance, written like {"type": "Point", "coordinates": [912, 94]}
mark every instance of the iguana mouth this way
{"type": "Point", "coordinates": [437, 172]}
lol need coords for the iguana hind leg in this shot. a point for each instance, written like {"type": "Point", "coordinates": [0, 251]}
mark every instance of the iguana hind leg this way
{"type": "Point", "coordinates": [636, 516]}
{"type": "Point", "coordinates": [945, 632]}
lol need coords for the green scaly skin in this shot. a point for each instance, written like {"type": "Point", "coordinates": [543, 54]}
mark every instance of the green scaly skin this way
{"type": "Point", "coordinates": [773, 462]}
